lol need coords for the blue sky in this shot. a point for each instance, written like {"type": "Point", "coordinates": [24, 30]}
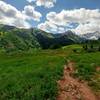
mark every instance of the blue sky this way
{"type": "Point", "coordinates": [60, 4]}
{"type": "Point", "coordinates": [60, 7]}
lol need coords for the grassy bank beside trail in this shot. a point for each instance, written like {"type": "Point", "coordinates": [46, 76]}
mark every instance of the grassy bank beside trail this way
{"type": "Point", "coordinates": [88, 68]}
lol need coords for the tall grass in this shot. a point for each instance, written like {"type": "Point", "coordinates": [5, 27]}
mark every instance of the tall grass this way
{"type": "Point", "coordinates": [30, 76]}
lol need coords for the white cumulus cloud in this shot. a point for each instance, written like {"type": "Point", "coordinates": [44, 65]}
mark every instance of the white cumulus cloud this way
{"type": "Point", "coordinates": [30, 1]}
{"type": "Point", "coordinates": [45, 3]}
{"type": "Point", "coordinates": [88, 27]}
{"type": "Point", "coordinates": [87, 20]}
{"type": "Point", "coordinates": [31, 13]}
{"type": "Point", "coordinates": [11, 16]}
{"type": "Point", "coordinates": [48, 27]}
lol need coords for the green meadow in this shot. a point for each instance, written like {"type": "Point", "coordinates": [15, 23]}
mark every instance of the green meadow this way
{"type": "Point", "coordinates": [33, 75]}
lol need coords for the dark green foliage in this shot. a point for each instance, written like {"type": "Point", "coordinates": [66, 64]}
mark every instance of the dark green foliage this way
{"type": "Point", "coordinates": [85, 47]}
{"type": "Point", "coordinates": [55, 46]}
{"type": "Point", "coordinates": [99, 48]}
{"type": "Point", "coordinates": [91, 45]}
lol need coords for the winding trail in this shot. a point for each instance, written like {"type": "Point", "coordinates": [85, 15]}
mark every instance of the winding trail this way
{"type": "Point", "coordinates": [71, 88]}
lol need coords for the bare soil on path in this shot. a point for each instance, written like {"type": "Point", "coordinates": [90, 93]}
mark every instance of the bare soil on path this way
{"type": "Point", "coordinates": [73, 89]}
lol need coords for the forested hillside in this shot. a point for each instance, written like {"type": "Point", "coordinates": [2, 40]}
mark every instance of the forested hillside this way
{"type": "Point", "coordinates": [12, 38]}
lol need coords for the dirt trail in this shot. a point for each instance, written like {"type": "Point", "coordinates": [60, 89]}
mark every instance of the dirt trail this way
{"type": "Point", "coordinates": [72, 89]}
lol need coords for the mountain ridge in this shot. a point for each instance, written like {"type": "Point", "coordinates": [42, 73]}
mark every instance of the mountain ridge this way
{"type": "Point", "coordinates": [92, 36]}
{"type": "Point", "coordinates": [12, 38]}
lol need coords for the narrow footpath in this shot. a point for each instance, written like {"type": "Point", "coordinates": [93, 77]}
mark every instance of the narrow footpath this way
{"type": "Point", "coordinates": [71, 88]}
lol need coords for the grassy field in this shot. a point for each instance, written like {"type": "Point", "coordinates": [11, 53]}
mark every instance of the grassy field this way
{"type": "Point", "coordinates": [33, 75]}
{"type": "Point", "coordinates": [30, 76]}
